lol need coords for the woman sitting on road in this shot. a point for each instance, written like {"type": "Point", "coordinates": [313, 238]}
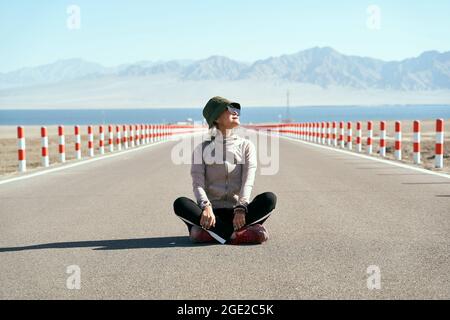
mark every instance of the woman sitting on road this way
{"type": "Point", "coordinates": [222, 187]}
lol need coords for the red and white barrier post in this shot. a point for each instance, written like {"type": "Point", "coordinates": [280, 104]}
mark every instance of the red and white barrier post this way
{"type": "Point", "coordinates": [416, 142]}
{"type": "Point", "coordinates": [369, 137]}
{"type": "Point", "coordinates": [398, 140]}
{"type": "Point", "coordinates": [118, 138]}
{"type": "Point", "coordinates": [136, 135]}
{"type": "Point", "coordinates": [322, 132]}
{"type": "Point", "coordinates": [152, 133]}
{"type": "Point", "coordinates": [328, 133]}
{"type": "Point", "coordinates": [305, 131]}
{"type": "Point", "coordinates": [150, 128]}
{"type": "Point", "coordinates": [131, 136]}
{"type": "Point", "coordinates": [316, 132]}
{"type": "Point", "coordinates": [147, 134]}
{"type": "Point", "coordinates": [111, 138]}
{"type": "Point", "coordinates": [341, 134]}
{"type": "Point", "coordinates": [77, 142]}
{"type": "Point", "coordinates": [44, 147]}
{"type": "Point", "coordinates": [358, 136]}
{"type": "Point", "coordinates": [62, 144]}
{"type": "Point", "coordinates": [349, 135]}
{"type": "Point", "coordinates": [90, 141]}
{"type": "Point", "coordinates": [302, 131]}
{"type": "Point", "coordinates": [439, 150]}
{"type": "Point", "coordinates": [142, 134]}
{"type": "Point", "coordinates": [334, 134]}
{"type": "Point", "coordinates": [309, 132]}
{"type": "Point", "coordinates": [21, 153]}
{"type": "Point", "coordinates": [101, 143]}
{"type": "Point", "coordinates": [125, 136]}
{"type": "Point", "coordinates": [382, 138]}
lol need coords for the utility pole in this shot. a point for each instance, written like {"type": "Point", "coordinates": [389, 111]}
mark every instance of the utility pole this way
{"type": "Point", "coordinates": [288, 111]}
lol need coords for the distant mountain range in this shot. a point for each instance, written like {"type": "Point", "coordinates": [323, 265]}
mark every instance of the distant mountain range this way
{"type": "Point", "coordinates": [320, 66]}
{"type": "Point", "coordinates": [317, 76]}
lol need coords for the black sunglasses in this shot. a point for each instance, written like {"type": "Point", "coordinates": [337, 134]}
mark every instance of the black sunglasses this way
{"type": "Point", "coordinates": [232, 110]}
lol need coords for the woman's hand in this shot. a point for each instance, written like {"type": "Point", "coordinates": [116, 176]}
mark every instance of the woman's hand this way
{"type": "Point", "coordinates": [239, 218]}
{"type": "Point", "coordinates": [208, 219]}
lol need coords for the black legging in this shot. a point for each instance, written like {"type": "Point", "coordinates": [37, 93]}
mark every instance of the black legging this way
{"type": "Point", "coordinates": [258, 211]}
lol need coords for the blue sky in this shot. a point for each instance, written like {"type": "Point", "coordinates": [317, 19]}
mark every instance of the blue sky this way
{"type": "Point", "coordinates": [34, 32]}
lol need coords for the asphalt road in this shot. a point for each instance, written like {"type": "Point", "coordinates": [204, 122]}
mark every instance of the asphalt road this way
{"type": "Point", "coordinates": [336, 216]}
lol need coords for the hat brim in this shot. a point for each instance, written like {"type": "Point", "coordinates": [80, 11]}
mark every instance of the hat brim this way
{"type": "Point", "coordinates": [219, 111]}
{"type": "Point", "coordinates": [236, 105]}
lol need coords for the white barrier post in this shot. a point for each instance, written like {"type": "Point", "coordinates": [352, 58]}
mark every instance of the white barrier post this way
{"type": "Point", "coordinates": [125, 136]}
{"type": "Point", "coordinates": [62, 144]}
{"type": "Point", "coordinates": [316, 132]}
{"type": "Point", "coordinates": [341, 134]}
{"type": "Point", "coordinates": [90, 141]}
{"type": "Point", "coordinates": [382, 138]}
{"type": "Point", "coordinates": [369, 137]}
{"type": "Point", "coordinates": [21, 149]}
{"type": "Point", "coordinates": [321, 132]}
{"type": "Point", "coordinates": [152, 133]}
{"type": "Point", "coordinates": [131, 136]}
{"type": "Point", "coordinates": [349, 135]}
{"type": "Point", "coordinates": [44, 147]}
{"type": "Point", "coordinates": [358, 136]}
{"type": "Point", "coordinates": [111, 138]}
{"type": "Point", "coordinates": [309, 132]}
{"type": "Point", "coordinates": [416, 141]}
{"type": "Point", "coordinates": [77, 142]}
{"type": "Point", "coordinates": [334, 134]}
{"type": "Point", "coordinates": [398, 140]}
{"type": "Point", "coordinates": [439, 150]}
{"type": "Point", "coordinates": [136, 136]}
{"type": "Point", "coordinates": [328, 133]}
{"type": "Point", "coordinates": [101, 143]}
{"type": "Point", "coordinates": [118, 138]}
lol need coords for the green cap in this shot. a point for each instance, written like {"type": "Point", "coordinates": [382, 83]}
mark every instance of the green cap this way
{"type": "Point", "coordinates": [215, 107]}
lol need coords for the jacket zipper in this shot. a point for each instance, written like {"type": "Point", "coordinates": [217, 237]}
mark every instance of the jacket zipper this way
{"type": "Point", "coordinates": [226, 172]}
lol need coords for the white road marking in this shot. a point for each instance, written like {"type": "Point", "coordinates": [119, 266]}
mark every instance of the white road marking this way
{"type": "Point", "coordinates": [390, 162]}
{"type": "Point", "coordinates": [79, 163]}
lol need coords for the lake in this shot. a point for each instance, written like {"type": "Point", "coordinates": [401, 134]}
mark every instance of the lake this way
{"type": "Point", "coordinates": [249, 114]}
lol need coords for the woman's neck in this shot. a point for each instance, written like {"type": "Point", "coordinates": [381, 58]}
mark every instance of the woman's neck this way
{"type": "Point", "coordinates": [226, 132]}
